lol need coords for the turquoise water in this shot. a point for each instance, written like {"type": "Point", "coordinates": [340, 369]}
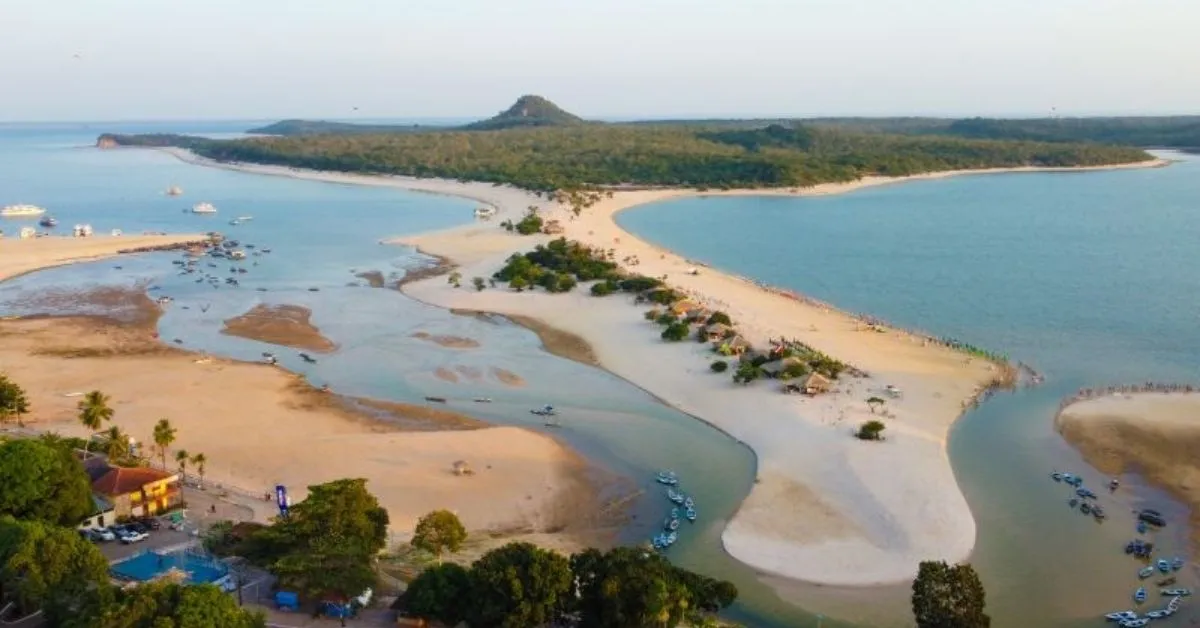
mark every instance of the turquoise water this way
{"type": "Point", "coordinates": [1089, 277]}
{"type": "Point", "coordinates": [1084, 276]}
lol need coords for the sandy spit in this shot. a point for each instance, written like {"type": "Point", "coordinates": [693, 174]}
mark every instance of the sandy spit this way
{"type": "Point", "coordinates": [866, 513]}
{"type": "Point", "coordinates": [283, 325]}
{"type": "Point", "coordinates": [21, 256]}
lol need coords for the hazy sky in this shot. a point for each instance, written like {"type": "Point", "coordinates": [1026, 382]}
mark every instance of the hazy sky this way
{"type": "Point", "coordinates": [180, 59]}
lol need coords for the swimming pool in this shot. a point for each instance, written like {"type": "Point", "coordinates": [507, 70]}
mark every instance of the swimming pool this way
{"type": "Point", "coordinates": [149, 565]}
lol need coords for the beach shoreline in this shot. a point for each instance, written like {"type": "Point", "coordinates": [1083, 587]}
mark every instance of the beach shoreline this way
{"type": "Point", "coordinates": [20, 257]}
{"type": "Point", "coordinates": [854, 513]}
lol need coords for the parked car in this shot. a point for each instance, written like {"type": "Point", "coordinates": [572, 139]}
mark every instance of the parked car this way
{"type": "Point", "coordinates": [133, 536]}
{"type": "Point", "coordinates": [135, 526]}
{"type": "Point", "coordinates": [104, 534]}
{"type": "Point", "coordinates": [150, 523]}
{"type": "Point", "coordinates": [88, 535]}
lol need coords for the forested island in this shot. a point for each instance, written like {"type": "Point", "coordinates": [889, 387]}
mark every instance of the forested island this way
{"type": "Point", "coordinates": [536, 146]}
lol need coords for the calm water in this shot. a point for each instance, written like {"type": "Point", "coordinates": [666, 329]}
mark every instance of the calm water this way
{"type": "Point", "coordinates": [1083, 276]}
{"type": "Point", "coordinates": [1090, 277]}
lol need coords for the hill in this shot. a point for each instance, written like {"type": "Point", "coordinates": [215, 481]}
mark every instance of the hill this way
{"type": "Point", "coordinates": [528, 111]}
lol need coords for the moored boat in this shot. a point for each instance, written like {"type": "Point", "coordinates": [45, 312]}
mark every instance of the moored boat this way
{"type": "Point", "coordinates": [1177, 564]}
{"type": "Point", "coordinates": [21, 211]}
{"type": "Point", "coordinates": [690, 514]}
{"type": "Point", "coordinates": [1177, 592]}
{"type": "Point", "coordinates": [1057, 476]}
{"type": "Point", "coordinates": [1121, 616]}
{"type": "Point", "coordinates": [667, 477]}
{"type": "Point", "coordinates": [49, 222]}
{"type": "Point", "coordinates": [673, 496]}
{"type": "Point", "coordinates": [1163, 566]}
{"type": "Point", "coordinates": [1134, 623]}
{"type": "Point", "coordinates": [1146, 572]}
{"type": "Point", "coordinates": [546, 410]}
{"type": "Point", "coordinates": [1139, 596]}
{"type": "Point", "coordinates": [203, 208]}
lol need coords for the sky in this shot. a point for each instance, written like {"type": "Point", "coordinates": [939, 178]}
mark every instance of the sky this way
{"type": "Point", "coordinates": [84, 60]}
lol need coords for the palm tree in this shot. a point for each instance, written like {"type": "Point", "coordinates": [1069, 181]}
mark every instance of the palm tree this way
{"type": "Point", "coordinates": [164, 435]}
{"type": "Point", "coordinates": [182, 458]}
{"type": "Point", "coordinates": [94, 411]}
{"type": "Point", "coordinates": [116, 446]}
{"type": "Point", "coordinates": [198, 461]}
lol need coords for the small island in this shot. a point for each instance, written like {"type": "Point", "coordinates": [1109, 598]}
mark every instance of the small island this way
{"type": "Point", "coordinates": [283, 325]}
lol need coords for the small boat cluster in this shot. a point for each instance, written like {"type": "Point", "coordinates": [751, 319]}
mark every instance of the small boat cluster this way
{"type": "Point", "coordinates": [678, 499]}
{"type": "Point", "coordinates": [1085, 500]}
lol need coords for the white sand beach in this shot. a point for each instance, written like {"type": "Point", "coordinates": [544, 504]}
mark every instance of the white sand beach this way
{"type": "Point", "coordinates": [826, 508]}
{"type": "Point", "coordinates": [24, 255]}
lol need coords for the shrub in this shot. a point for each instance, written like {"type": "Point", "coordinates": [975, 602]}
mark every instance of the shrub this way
{"type": "Point", "coordinates": [604, 288]}
{"type": "Point", "coordinates": [639, 283]}
{"type": "Point", "coordinates": [747, 372]}
{"type": "Point", "coordinates": [719, 317]}
{"type": "Point", "coordinates": [479, 283]}
{"type": "Point", "coordinates": [720, 366]}
{"type": "Point", "coordinates": [676, 332]}
{"type": "Point", "coordinates": [651, 315]}
{"type": "Point", "coordinates": [871, 430]}
{"type": "Point", "coordinates": [530, 224]}
{"type": "Point", "coordinates": [666, 318]}
{"type": "Point", "coordinates": [793, 371]}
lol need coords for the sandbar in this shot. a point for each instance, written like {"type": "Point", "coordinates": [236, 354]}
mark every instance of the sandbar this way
{"type": "Point", "coordinates": [876, 509]}
{"type": "Point", "coordinates": [1154, 434]}
{"type": "Point", "coordinates": [450, 342]}
{"type": "Point", "coordinates": [283, 325]}
{"type": "Point", "coordinates": [19, 256]}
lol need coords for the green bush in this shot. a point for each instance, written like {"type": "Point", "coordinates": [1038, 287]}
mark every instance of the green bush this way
{"type": "Point", "coordinates": [651, 315]}
{"type": "Point", "coordinates": [719, 317]}
{"type": "Point", "coordinates": [676, 332]}
{"type": "Point", "coordinates": [603, 288]}
{"type": "Point", "coordinates": [666, 318]}
{"type": "Point", "coordinates": [639, 283]}
{"type": "Point", "coordinates": [720, 366]}
{"type": "Point", "coordinates": [871, 430]}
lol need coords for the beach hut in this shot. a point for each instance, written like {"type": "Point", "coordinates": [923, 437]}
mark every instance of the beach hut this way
{"type": "Point", "coordinates": [717, 331]}
{"type": "Point", "coordinates": [682, 307]}
{"type": "Point", "coordinates": [735, 345]}
{"type": "Point", "coordinates": [777, 368]}
{"type": "Point", "coordinates": [815, 384]}
{"type": "Point", "coordinates": [695, 315]}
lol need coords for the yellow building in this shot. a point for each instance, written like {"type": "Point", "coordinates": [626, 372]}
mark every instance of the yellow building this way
{"type": "Point", "coordinates": [139, 491]}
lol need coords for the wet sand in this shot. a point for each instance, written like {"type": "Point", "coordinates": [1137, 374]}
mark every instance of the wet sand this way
{"type": "Point", "coordinates": [283, 325]}
{"type": "Point", "coordinates": [1156, 435]}
{"type": "Point", "coordinates": [450, 342]}
{"type": "Point", "coordinates": [20, 256]}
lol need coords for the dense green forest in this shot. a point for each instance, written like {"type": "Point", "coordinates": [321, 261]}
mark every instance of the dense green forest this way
{"type": "Point", "coordinates": [562, 157]}
{"type": "Point", "coordinates": [323, 127]}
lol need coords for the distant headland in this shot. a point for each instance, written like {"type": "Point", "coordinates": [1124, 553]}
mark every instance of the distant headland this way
{"type": "Point", "coordinates": [537, 146]}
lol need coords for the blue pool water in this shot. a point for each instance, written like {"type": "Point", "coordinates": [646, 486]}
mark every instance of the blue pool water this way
{"type": "Point", "coordinates": [150, 565]}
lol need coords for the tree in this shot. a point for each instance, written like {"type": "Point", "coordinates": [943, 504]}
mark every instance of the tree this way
{"type": "Point", "coordinates": [747, 372]}
{"type": "Point", "coordinates": [13, 402]}
{"type": "Point", "coordinates": [441, 592]}
{"type": "Point", "coordinates": [519, 585]}
{"type": "Point", "coordinates": [44, 566]}
{"type": "Point", "coordinates": [182, 458]}
{"type": "Point", "coordinates": [439, 531]}
{"type": "Point", "coordinates": [43, 482]}
{"type": "Point", "coordinates": [455, 279]}
{"type": "Point", "coordinates": [164, 435]}
{"type": "Point", "coordinates": [873, 402]}
{"type": "Point", "coordinates": [199, 461]}
{"type": "Point", "coordinates": [328, 543]}
{"type": "Point", "coordinates": [518, 283]}
{"type": "Point", "coordinates": [479, 283]}
{"type": "Point", "coordinates": [948, 597]}
{"type": "Point", "coordinates": [167, 605]}
{"type": "Point", "coordinates": [676, 332]}
{"type": "Point", "coordinates": [871, 430]}
{"type": "Point", "coordinates": [94, 411]}
{"type": "Point", "coordinates": [117, 446]}
{"type": "Point", "coordinates": [720, 366]}
{"type": "Point", "coordinates": [603, 288]}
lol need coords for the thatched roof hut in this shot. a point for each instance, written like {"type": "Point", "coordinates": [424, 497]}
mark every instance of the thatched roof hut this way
{"type": "Point", "coordinates": [735, 345]}
{"type": "Point", "coordinates": [717, 331]}
{"type": "Point", "coordinates": [776, 368]}
{"type": "Point", "coordinates": [815, 384]}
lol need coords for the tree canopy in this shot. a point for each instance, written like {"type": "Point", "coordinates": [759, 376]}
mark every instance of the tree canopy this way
{"type": "Point", "coordinates": [518, 585]}
{"type": "Point", "coordinates": [439, 531]}
{"type": "Point", "coordinates": [13, 402]}
{"type": "Point", "coordinates": [327, 545]}
{"type": "Point", "coordinates": [41, 481]}
{"type": "Point", "coordinates": [167, 605]}
{"type": "Point", "coordinates": [441, 592]}
{"type": "Point", "coordinates": [43, 566]}
{"type": "Point", "coordinates": [948, 597]}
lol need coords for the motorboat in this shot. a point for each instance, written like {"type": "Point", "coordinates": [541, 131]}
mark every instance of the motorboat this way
{"type": "Point", "coordinates": [673, 496]}
{"type": "Point", "coordinates": [1146, 572]}
{"type": "Point", "coordinates": [1177, 564]}
{"type": "Point", "coordinates": [1121, 616]}
{"type": "Point", "coordinates": [1085, 508]}
{"type": "Point", "coordinates": [667, 477]}
{"type": "Point", "coordinates": [690, 514]}
{"type": "Point", "coordinates": [689, 502]}
{"type": "Point", "coordinates": [1158, 614]}
{"type": "Point", "coordinates": [1057, 476]}
{"type": "Point", "coordinates": [1098, 512]}
{"type": "Point", "coordinates": [672, 524]}
{"type": "Point", "coordinates": [1141, 527]}
{"type": "Point", "coordinates": [544, 411]}
{"type": "Point", "coordinates": [671, 538]}
{"type": "Point", "coordinates": [174, 190]}
{"type": "Point", "coordinates": [1085, 493]}
{"type": "Point", "coordinates": [674, 513]}
{"type": "Point", "coordinates": [303, 356]}
{"type": "Point", "coordinates": [49, 222]}
{"type": "Point", "coordinates": [1134, 623]}
{"type": "Point", "coordinates": [1177, 592]}
{"type": "Point", "coordinates": [483, 400]}
{"type": "Point", "coordinates": [1073, 502]}
{"type": "Point", "coordinates": [1163, 566]}
{"type": "Point", "coordinates": [203, 208]}
{"type": "Point", "coordinates": [1139, 596]}
{"type": "Point", "coordinates": [1152, 517]}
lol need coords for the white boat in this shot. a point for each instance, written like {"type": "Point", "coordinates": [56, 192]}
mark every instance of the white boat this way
{"type": "Point", "coordinates": [1146, 572]}
{"type": "Point", "coordinates": [1177, 564]}
{"type": "Point", "coordinates": [245, 218]}
{"type": "Point", "coordinates": [1134, 623]}
{"type": "Point", "coordinates": [673, 496]}
{"type": "Point", "coordinates": [237, 255]}
{"type": "Point", "coordinates": [1158, 614]}
{"type": "Point", "coordinates": [203, 208]}
{"type": "Point", "coordinates": [1121, 616]}
{"type": "Point", "coordinates": [483, 400]}
{"type": "Point", "coordinates": [544, 411]}
{"type": "Point", "coordinates": [673, 525]}
{"type": "Point", "coordinates": [1163, 566]}
{"type": "Point", "coordinates": [667, 477]}
{"type": "Point", "coordinates": [174, 190]}
{"type": "Point", "coordinates": [82, 231]}
{"type": "Point", "coordinates": [21, 211]}
{"type": "Point", "coordinates": [1176, 592]}
{"type": "Point", "coordinates": [689, 503]}
{"type": "Point", "coordinates": [485, 212]}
